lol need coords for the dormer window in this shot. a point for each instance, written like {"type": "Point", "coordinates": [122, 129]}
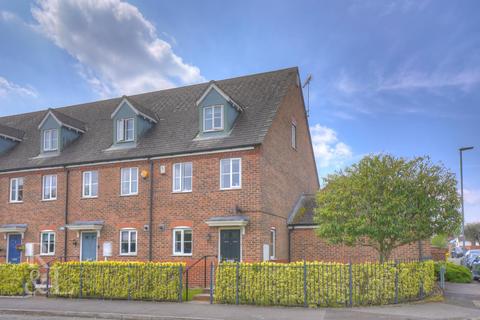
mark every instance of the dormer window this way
{"type": "Point", "coordinates": [213, 118]}
{"type": "Point", "coordinates": [126, 130]}
{"type": "Point", "coordinates": [50, 140]}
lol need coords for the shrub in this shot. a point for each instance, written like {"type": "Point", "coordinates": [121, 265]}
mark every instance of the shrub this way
{"type": "Point", "coordinates": [14, 277]}
{"type": "Point", "coordinates": [327, 284]}
{"type": "Point", "coordinates": [117, 280]}
{"type": "Point", "coordinates": [454, 272]}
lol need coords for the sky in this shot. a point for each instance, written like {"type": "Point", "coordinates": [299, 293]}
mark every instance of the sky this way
{"type": "Point", "coordinates": [399, 77]}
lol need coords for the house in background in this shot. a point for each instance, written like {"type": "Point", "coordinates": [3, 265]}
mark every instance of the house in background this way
{"type": "Point", "coordinates": [178, 174]}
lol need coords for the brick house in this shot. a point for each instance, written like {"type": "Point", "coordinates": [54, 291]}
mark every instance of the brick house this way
{"type": "Point", "coordinates": [177, 174]}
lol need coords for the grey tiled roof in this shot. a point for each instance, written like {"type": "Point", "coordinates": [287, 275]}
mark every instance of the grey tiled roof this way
{"type": "Point", "coordinates": [303, 211]}
{"type": "Point", "coordinates": [174, 133]}
{"type": "Point", "coordinates": [69, 121]}
{"type": "Point", "coordinates": [144, 111]}
{"type": "Point", "coordinates": [11, 132]}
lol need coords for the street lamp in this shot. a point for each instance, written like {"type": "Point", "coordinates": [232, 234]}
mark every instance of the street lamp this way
{"type": "Point", "coordinates": [461, 190]}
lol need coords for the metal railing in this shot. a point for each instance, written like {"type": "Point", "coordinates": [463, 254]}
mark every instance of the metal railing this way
{"type": "Point", "coordinates": [200, 273]}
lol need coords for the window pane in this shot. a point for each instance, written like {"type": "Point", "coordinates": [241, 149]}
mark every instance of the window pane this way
{"type": "Point", "coordinates": [226, 181]}
{"type": "Point", "coordinates": [208, 121]}
{"type": "Point", "coordinates": [187, 247]}
{"type": "Point", "coordinates": [225, 166]}
{"type": "Point", "coordinates": [178, 247]}
{"type": "Point", "coordinates": [187, 169]}
{"type": "Point", "coordinates": [129, 129]}
{"type": "Point", "coordinates": [120, 130]}
{"type": "Point", "coordinates": [54, 139]}
{"type": "Point", "coordinates": [124, 236]}
{"type": "Point", "coordinates": [52, 247]}
{"type": "Point", "coordinates": [187, 235]}
{"type": "Point", "coordinates": [187, 184]}
{"type": "Point", "coordinates": [133, 236]}
{"type": "Point", "coordinates": [236, 165]}
{"type": "Point", "coordinates": [124, 247]}
{"type": "Point", "coordinates": [133, 247]}
{"type": "Point", "coordinates": [20, 189]}
{"type": "Point", "coordinates": [236, 180]}
{"type": "Point", "coordinates": [218, 117]}
{"type": "Point", "coordinates": [176, 177]}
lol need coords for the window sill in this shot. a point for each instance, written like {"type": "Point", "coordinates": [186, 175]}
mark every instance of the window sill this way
{"type": "Point", "coordinates": [227, 189]}
{"type": "Point", "coordinates": [182, 191]}
{"type": "Point", "coordinates": [128, 254]}
{"type": "Point", "coordinates": [181, 255]}
{"type": "Point", "coordinates": [47, 254]}
{"type": "Point", "coordinates": [129, 195]}
{"type": "Point", "coordinates": [213, 130]}
{"type": "Point", "coordinates": [15, 202]}
{"type": "Point", "coordinates": [86, 198]}
{"type": "Point", "coordinates": [48, 200]}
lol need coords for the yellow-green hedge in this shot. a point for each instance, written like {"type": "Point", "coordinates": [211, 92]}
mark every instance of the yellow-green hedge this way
{"type": "Point", "coordinates": [13, 278]}
{"type": "Point", "coordinates": [117, 280]}
{"type": "Point", "coordinates": [328, 284]}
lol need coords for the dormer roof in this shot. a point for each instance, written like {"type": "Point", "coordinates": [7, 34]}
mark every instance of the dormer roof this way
{"type": "Point", "coordinates": [11, 133]}
{"type": "Point", "coordinates": [214, 86]}
{"type": "Point", "coordinates": [64, 120]}
{"type": "Point", "coordinates": [137, 108]}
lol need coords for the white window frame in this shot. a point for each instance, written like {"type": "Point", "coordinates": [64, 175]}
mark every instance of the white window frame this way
{"type": "Point", "coordinates": [14, 193]}
{"type": "Point", "coordinates": [48, 139]}
{"type": "Point", "coordinates": [181, 188]}
{"type": "Point", "coordinates": [48, 233]}
{"type": "Point", "coordinates": [273, 239]}
{"type": "Point", "coordinates": [52, 178]}
{"type": "Point", "coordinates": [231, 174]}
{"type": "Point", "coordinates": [213, 118]}
{"type": "Point", "coordinates": [90, 183]}
{"type": "Point", "coordinates": [122, 130]}
{"type": "Point", "coordinates": [130, 181]}
{"type": "Point", "coordinates": [182, 241]}
{"type": "Point", "coordinates": [129, 241]}
{"type": "Point", "coordinates": [294, 136]}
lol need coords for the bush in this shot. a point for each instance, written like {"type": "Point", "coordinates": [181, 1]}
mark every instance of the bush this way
{"type": "Point", "coordinates": [327, 284]}
{"type": "Point", "coordinates": [14, 277]}
{"type": "Point", "coordinates": [454, 272]}
{"type": "Point", "coordinates": [117, 280]}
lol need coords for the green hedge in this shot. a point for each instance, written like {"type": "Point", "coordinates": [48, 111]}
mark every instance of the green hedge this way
{"type": "Point", "coordinates": [14, 277]}
{"type": "Point", "coordinates": [454, 272]}
{"type": "Point", "coordinates": [117, 280]}
{"type": "Point", "coordinates": [327, 284]}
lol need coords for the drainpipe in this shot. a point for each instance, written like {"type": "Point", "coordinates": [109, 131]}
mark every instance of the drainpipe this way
{"type": "Point", "coordinates": [289, 244]}
{"type": "Point", "coordinates": [67, 175]}
{"type": "Point", "coordinates": [150, 214]}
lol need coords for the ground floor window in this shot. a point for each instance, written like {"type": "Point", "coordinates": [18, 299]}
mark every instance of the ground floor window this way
{"type": "Point", "coordinates": [128, 242]}
{"type": "Point", "coordinates": [182, 241]}
{"type": "Point", "coordinates": [47, 246]}
{"type": "Point", "coordinates": [273, 239]}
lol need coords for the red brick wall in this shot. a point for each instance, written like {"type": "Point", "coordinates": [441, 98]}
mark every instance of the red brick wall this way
{"type": "Point", "coordinates": [438, 254]}
{"type": "Point", "coordinates": [286, 172]}
{"type": "Point", "coordinates": [306, 245]}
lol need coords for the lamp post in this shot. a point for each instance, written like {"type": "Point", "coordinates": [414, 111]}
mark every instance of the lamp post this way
{"type": "Point", "coordinates": [461, 190]}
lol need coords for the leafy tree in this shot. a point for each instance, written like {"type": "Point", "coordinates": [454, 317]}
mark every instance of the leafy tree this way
{"type": "Point", "coordinates": [440, 241]}
{"type": "Point", "coordinates": [384, 202]}
{"type": "Point", "coordinates": [472, 232]}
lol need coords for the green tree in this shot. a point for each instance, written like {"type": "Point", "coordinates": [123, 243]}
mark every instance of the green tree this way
{"type": "Point", "coordinates": [385, 202]}
{"type": "Point", "coordinates": [440, 241]}
{"type": "Point", "coordinates": [472, 232]}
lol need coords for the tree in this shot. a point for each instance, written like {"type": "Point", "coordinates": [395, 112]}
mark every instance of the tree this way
{"type": "Point", "coordinates": [385, 202]}
{"type": "Point", "coordinates": [472, 232]}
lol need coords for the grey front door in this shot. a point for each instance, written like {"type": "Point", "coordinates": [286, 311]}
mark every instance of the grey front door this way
{"type": "Point", "coordinates": [230, 245]}
{"type": "Point", "coordinates": [89, 246]}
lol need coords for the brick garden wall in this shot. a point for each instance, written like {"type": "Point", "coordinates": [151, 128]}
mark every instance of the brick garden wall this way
{"type": "Point", "coordinates": [306, 245]}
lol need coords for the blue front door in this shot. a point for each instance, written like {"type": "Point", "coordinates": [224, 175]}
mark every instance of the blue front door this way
{"type": "Point", "coordinates": [14, 240]}
{"type": "Point", "coordinates": [89, 246]}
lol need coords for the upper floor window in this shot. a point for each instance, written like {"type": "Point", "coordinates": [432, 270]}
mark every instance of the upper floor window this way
{"type": "Point", "coordinates": [231, 173]}
{"type": "Point", "coordinates": [182, 241]}
{"type": "Point", "coordinates": [129, 181]}
{"type": "Point", "coordinates": [49, 187]}
{"type": "Point", "coordinates": [294, 136]}
{"type": "Point", "coordinates": [90, 184]}
{"type": "Point", "coordinates": [273, 240]}
{"type": "Point", "coordinates": [128, 242]}
{"type": "Point", "coordinates": [213, 118]}
{"type": "Point", "coordinates": [50, 140]}
{"type": "Point", "coordinates": [47, 246]}
{"type": "Point", "coordinates": [125, 130]}
{"type": "Point", "coordinates": [16, 190]}
{"type": "Point", "coordinates": [182, 177]}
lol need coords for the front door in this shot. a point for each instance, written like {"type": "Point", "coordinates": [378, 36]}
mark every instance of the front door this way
{"type": "Point", "coordinates": [89, 246]}
{"type": "Point", "coordinates": [230, 245]}
{"type": "Point", "coordinates": [14, 255]}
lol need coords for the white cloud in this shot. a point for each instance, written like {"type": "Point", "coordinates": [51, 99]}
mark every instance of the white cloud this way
{"type": "Point", "coordinates": [7, 16]}
{"type": "Point", "coordinates": [329, 151]}
{"type": "Point", "coordinates": [118, 50]}
{"type": "Point", "coordinates": [471, 196]}
{"type": "Point", "coordinates": [9, 88]}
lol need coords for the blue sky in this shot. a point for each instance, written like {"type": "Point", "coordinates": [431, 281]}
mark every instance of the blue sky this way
{"type": "Point", "coordinates": [401, 77]}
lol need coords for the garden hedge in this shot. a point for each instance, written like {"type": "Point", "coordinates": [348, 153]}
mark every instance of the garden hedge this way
{"type": "Point", "coordinates": [15, 279]}
{"type": "Point", "coordinates": [454, 272]}
{"type": "Point", "coordinates": [118, 280]}
{"type": "Point", "coordinates": [327, 284]}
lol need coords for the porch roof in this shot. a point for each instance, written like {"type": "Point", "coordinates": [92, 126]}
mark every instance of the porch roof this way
{"type": "Point", "coordinates": [13, 228]}
{"type": "Point", "coordinates": [228, 221]}
{"type": "Point", "coordinates": [86, 225]}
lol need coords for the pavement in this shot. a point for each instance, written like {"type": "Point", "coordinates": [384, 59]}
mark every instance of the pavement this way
{"type": "Point", "coordinates": [459, 304]}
